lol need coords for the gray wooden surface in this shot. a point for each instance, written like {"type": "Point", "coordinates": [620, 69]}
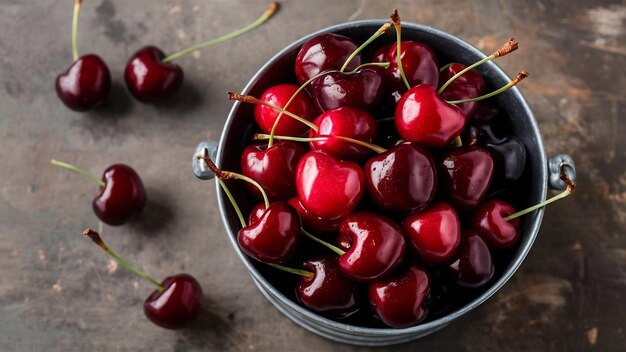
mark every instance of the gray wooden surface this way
{"type": "Point", "coordinates": [58, 292]}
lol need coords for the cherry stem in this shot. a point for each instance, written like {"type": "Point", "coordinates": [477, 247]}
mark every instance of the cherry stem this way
{"type": "Point", "coordinates": [226, 175]}
{"type": "Point", "coordinates": [252, 100]}
{"type": "Point", "coordinates": [266, 15]}
{"type": "Point", "coordinates": [75, 29]}
{"type": "Point", "coordinates": [395, 19]}
{"type": "Point", "coordinates": [373, 147]}
{"type": "Point", "coordinates": [520, 76]}
{"type": "Point", "coordinates": [293, 96]}
{"type": "Point", "coordinates": [378, 33]}
{"type": "Point", "coordinates": [457, 142]}
{"type": "Point", "coordinates": [78, 171]}
{"type": "Point", "coordinates": [95, 237]}
{"type": "Point", "coordinates": [335, 249]}
{"type": "Point", "coordinates": [445, 67]}
{"type": "Point", "coordinates": [570, 187]}
{"type": "Point", "coordinates": [510, 46]}
{"type": "Point", "coordinates": [298, 272]}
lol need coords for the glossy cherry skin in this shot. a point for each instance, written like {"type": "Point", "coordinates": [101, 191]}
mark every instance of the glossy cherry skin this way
{"type": "Point", "coordinates": [273, 168]}
{"type": "Point", "coordinates": [328, 292]}
{"type": "Point", "coordinates": [374, 246]}
{"type": "Point", "coordinates": [279, 95]}
{"type": "Point", "coordinates": [398, 300]}
{"type": "Point", "coordinates": [418, 62]}
{"type": "Point", "coordinates": [85, 84]}
{"type": "Point", "coordinates": [363, 89]}
{"type": "Point", "coordinates": [311, 222]}
{"type": "Point", "coordinates": [422, 116]}
{"type": "Point", "coordinates": [148, 79]}
{"type": "Point", "coordinates": [402, 179]}
{"type": "Point", "coordinates": [465, 175]}
{"type": "Point", "coordinates": [346, 122]}
{"type": "Point", "coordinates": [327, 187]}
{"type": "Point", "coordinates": [469, 85]}
{"type": "Point", "coordinates": [122, 196]}
{"type": "Point", "coordinates": [509, 155]}
{"type": "Point", "coordinates": [434, 233]}
{"type": "Point", "coordinates": [177, 305]}
{"type": "Point", "coordinates": [473, 266]}
{"type": "Point", "coordinates": [488, 220]}
{"type": "Point", "coordinates": [394, 86]}
{"type": "Point", "coordinates": [324, 52]}
{"type": "Point", "coordinates": [273, 238]}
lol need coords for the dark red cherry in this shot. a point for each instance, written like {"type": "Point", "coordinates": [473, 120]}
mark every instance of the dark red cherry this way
{"type": "Point", "coordinates": [346, 122]}
{"type": "Point", "coordinates": [509, 155]}
{"type": "Point", "coordinates": [380, 55]}
{"type": "Point", "coordinates": [398, 300]}
{"type": "Point", "coordinates": [256, 213]}
{"type": "Point", "coordinates": [328, 292]}
{"type": "Point", "coordinates": [435, 233]}
{"type": "Point", "coordinates": [327, 187]}
{"type": "Point", "coordinates": [465, 175]}
{"type": "Point", "coordinates": [150, 80]}
{"type": "Point", "coordinates": [85, 84]}
{"type": "Point", "coordinates": [402, 179]}
{"type": "Point", "coordinates": [469, 85]}
{"type": "Point", "coordinates": [363, 89]}
{"type": "Point", "coordinates": [488, 220]}
{"type": "Point", "coordinates": [324, 52]}
{"type": "Point", "coordinates": [473, 266]}
{"type": "Point", "coordinates": [418, 62]}
{"type": "Point", "coordinates": [422, 116]}
{"type": "Point", "coordinates": [279, 95]}
{"type": "Point", "coordinates": [311, 222]}
{"type": "Point", "coordinates": [374, 246]}
{"type": "Point", "coordinates": [274, 236]}
{"type": "Point", "coordinates": [394, 86]}
{"type": "Point", "coordinates": [273, 168]}
{"type": "Point", "coordinates": [122, 196]}
{"type": "Point", "coordinates": [179, 303]}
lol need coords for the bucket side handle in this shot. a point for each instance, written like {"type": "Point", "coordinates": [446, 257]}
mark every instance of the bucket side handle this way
{"type": "Point", "coordinates": [557, 164]}
{"type": "Point", "coordinates": [198, 166]}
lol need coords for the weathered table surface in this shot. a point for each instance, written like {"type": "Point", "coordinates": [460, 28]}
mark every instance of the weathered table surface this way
{"type": "Point", "coordinates": [58, 292]}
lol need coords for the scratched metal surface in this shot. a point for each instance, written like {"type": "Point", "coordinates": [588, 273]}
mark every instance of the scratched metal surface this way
{"type": "Point", "coordinates": [58, 292]}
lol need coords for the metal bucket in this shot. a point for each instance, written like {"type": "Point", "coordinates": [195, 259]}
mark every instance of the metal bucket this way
{"type": "Point", "coordinates": [540, 174]}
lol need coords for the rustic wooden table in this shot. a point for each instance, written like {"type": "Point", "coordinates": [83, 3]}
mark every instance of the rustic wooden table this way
{"type": "Point", "coordinates": [59, 293]}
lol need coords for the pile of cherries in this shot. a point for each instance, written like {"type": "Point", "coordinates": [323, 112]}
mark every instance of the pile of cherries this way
{"type": "Point", "coordinates": [414, 219]}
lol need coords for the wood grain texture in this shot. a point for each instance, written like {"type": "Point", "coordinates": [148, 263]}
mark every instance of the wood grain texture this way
{"type": "Point", "coordinates": [60, 293]}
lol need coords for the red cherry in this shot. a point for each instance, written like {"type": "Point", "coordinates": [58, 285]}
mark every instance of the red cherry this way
{"type": "Point", "coordinates": [279, 95]}
{"type": "Point", "coordinates": [398, 300]}
{"type": "Point", "coordinates": [85, 84]}
{"type": "Point", "coordinates": [422, 116]}
{"type": "Point", "coordinates": [435, 233]}
{"type": "Point", "coordinates": [363, 89]}
{"type": "Point", "coordinates": [179, 303]}
{"type": "Point", "coordinates": [323, 52]}
{"type": "Point", "coordinates": [346, 122]}
{"type": "Point", "coordinates": [328, 292]}
{"type": "Point", "coordinates": [374, 246]}
{"type": "Point", "coordinates": [273, 168]}
{"type": "Point", "coordinates": [469, 85]}
{"type": "Point", "coordinates": [473, 266]}
{"type": "Point", "coordinates": [327, 187]}
{"type": "Point", "coordinates": [122, 196]}
{"type": "Point", "coordinates": [312, 222]}
{"type": "Point", "coordinates": [150, 80]}
{"type": "Point", "coordinates": [418, 62]}
{"type": "Point", "coordinates": [274, 236]}
{"type": "Point", "coordinates": [465, 175]}
{"type": "Point", "coordinates": [489, 221]}
{"type": "Point", "coordinates": [401, 179]}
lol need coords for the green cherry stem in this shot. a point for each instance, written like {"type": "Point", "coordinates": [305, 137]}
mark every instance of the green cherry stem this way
{"type": "Point", "coordinates": [373, 147]}
{"type": "Point", "coordinates": [570, 187]}
{"type": "Point", "coordinates": [395, 19]}
{"type": "Point", "coordinates": [335, 249]}
{"type": "Point", "coordinates": [445, 67]}
{"type": "Point", "coordinates": [266, 15]}
{"type": "Point", "coordinates": [78, 171]}
{"type": "Point", "coordinates": [95, 237]}
{"type": "Point", "coordinates": [520, 76]}
{"type": "Point", "coordinates": [377, 34]}
{"type": "Point", "coordinates": [227, 175]}
{"type": "Point", "coordinates": [294, 271]}
{"type": "Point", "coordinates": [508, 47]}
{"type": "Point", "coordinates": [75, 29]}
